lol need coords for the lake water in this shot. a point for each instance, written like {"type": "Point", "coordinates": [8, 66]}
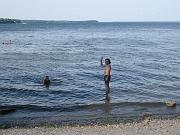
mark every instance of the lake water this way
{"type": "Point", "coordinates": [145, 69]}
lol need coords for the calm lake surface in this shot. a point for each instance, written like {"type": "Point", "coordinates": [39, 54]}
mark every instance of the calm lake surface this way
{"type": "Point", "coordinates": [145, 69]}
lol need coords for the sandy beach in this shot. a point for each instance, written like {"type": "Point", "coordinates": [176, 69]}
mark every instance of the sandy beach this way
{"type": "Point", "coordinates": [145, 127]}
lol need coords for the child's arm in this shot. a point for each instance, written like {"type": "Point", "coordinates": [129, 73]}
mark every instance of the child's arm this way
{"type": "Point", "coordinates": [101, 61]}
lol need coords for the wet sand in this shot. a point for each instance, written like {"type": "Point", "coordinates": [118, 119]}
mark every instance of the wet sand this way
{"type": "Point", "coordinates": [145, 127]}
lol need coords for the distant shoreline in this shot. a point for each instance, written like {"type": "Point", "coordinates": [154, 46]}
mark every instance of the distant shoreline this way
{"type": "Point", "coordinates": [14, 21]}
{"type": "Point", "coordinates": [9, 21]}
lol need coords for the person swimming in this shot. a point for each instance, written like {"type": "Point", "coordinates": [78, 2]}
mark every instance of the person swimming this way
{"type": "Point", "coordinates": [46, 81]}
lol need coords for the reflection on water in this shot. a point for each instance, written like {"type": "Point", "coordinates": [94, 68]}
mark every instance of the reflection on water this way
{"type": "Point", "coordinates": [107, 99]}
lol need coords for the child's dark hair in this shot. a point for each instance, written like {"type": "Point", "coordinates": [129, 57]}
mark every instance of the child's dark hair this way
{"type": "Point", "coordinates": [108, 61]}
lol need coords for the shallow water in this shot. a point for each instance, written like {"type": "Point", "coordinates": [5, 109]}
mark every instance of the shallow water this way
{"type": "Point", "coordinates": [145, 64]}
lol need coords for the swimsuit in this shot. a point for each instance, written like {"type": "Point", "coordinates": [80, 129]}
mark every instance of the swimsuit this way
{"type": "Point", "coordinates": [107, 79]}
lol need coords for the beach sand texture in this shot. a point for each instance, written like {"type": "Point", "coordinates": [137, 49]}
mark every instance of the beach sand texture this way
{"type": "Point", "coordinates": [146, 127]}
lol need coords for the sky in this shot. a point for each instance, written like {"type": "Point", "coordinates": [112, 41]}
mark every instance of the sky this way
{"type": "Point", "coordinates": [101, 10]}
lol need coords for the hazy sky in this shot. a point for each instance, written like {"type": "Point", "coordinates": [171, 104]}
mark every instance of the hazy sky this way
{"type": "Point", "coordinates": [102, 10]}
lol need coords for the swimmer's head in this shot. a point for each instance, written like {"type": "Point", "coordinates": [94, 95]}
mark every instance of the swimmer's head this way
{"type": "Point", "coordinates": [107, 61]}
{"type": "Point", "coordinates": [47, 77]}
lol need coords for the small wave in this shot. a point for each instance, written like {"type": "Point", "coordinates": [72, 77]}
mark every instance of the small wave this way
{"type": "Point", "coordinates": [69, 108]}
{"type": "Point", "coordinates": [35, 108]}
{"type": "Point", "coordinates": [29, 44]}
{"type": "Point", "coordinates": [6, 111]}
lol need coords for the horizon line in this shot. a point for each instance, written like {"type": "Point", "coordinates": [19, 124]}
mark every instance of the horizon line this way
{"type": "Point", "coordinates": [100, 21]}
{"type": "Point", "coordinates": [94, 20]}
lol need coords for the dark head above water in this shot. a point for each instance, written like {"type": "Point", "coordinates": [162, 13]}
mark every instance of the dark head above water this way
{"type": "Point", "coordinates": [107, 61]}
{"type": "Point", "coordinates": [46, 80]}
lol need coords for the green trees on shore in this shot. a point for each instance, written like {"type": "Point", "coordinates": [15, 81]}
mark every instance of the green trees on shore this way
{"type": "Point", "coordinates": [7, 20]}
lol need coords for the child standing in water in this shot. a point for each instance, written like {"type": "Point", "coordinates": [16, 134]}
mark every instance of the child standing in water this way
{"type": "Point", "coordinates": [107, 72]}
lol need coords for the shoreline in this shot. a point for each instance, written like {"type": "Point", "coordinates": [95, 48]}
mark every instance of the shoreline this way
{"type": "Point", "coordinates": [147, 126]}
{"type": "Point", "coordinates": [55, 122]}
{"type": "Point", "coordinates": [86, 115]}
